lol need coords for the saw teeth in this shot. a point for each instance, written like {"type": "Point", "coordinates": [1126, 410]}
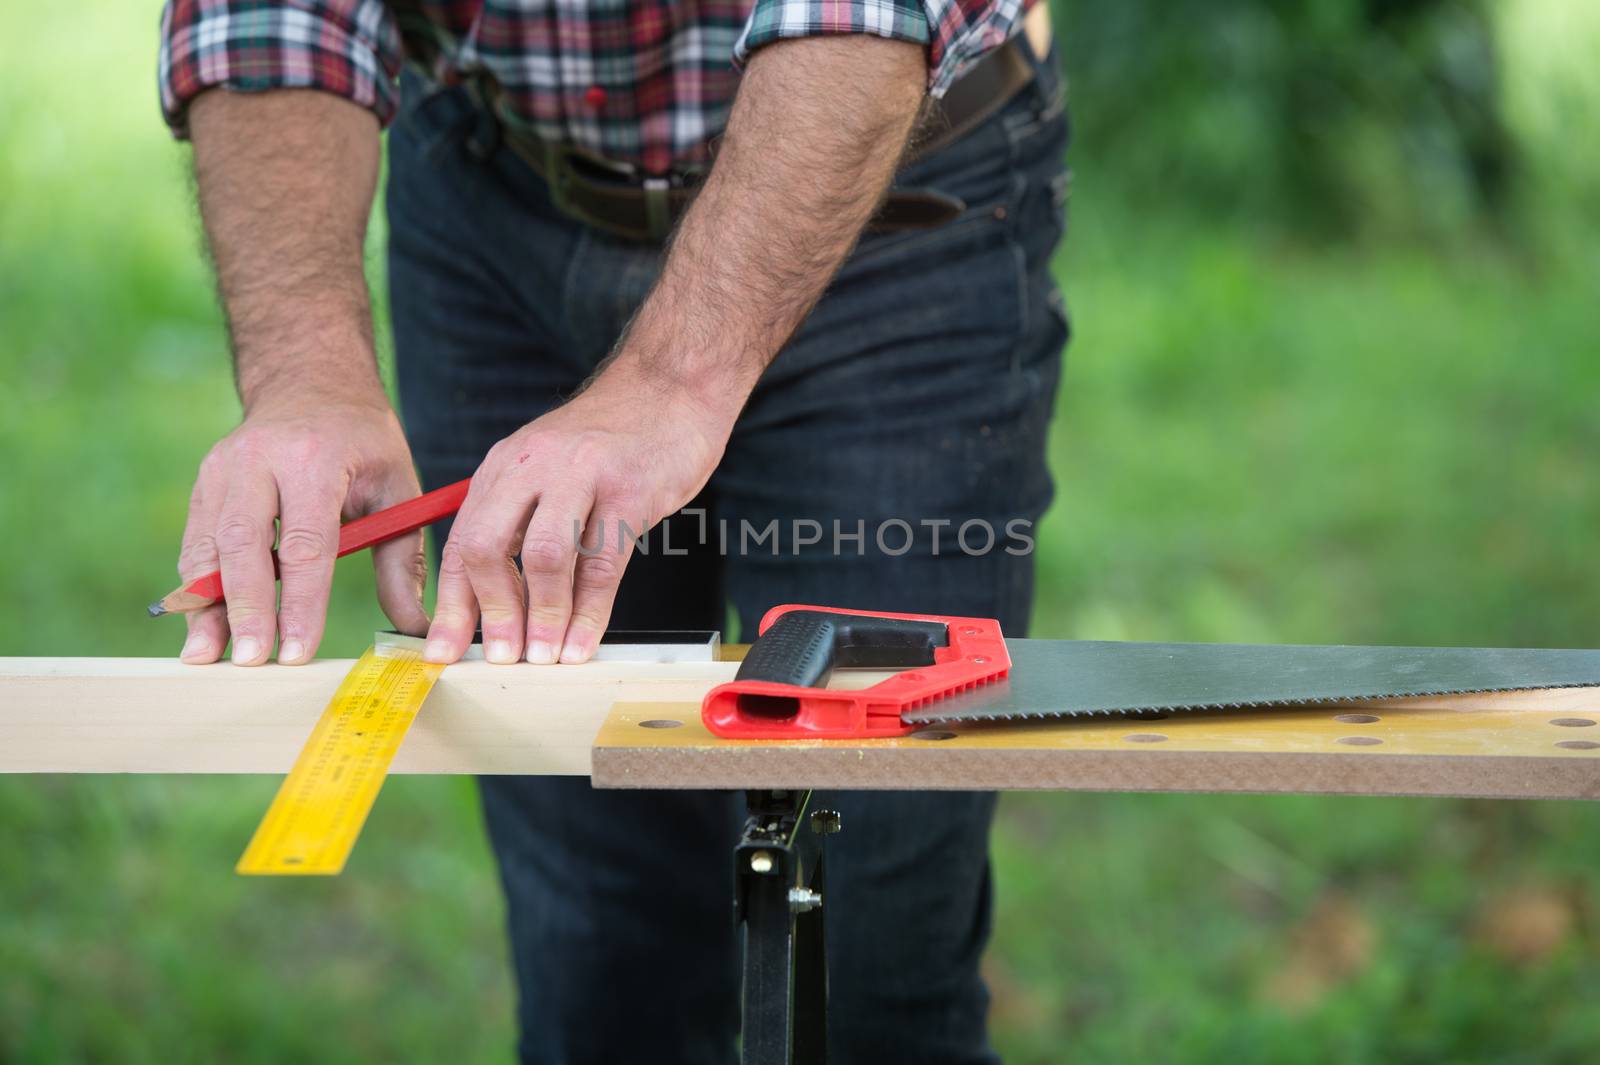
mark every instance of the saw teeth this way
{"type": "Point", "coordinates": [1129, 711]}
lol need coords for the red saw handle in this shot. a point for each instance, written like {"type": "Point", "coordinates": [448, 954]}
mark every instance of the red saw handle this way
{"type": "Point", "coordinates": [779, 691]}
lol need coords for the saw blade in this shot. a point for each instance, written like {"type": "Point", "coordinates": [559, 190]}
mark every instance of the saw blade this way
{"type": "Point", "coordinates": [1069, 678]}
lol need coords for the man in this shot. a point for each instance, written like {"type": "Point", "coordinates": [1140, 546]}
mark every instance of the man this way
{"type": "Point", "coordinates": [590, 375]}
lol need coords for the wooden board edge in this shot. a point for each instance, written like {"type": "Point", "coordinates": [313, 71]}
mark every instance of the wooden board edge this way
{"type": "Point", "coordinates": [1439, 776]}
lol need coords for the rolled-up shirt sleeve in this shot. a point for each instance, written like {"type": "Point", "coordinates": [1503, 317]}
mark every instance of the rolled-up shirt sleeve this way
{"type": "Point", "coordinates": [350, 48]}
{"type": "Point", "coordinates": [955, 32]}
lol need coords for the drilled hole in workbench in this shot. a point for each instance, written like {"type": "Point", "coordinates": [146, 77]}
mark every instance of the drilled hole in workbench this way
{"type": "Point", "coordinates": [1145, 737]}
{"type": "Point", "coordinates": [1573, 722]}
{"type": "Point", "coordinates": [1578, 745]}
{"type": "Point", "coordinates": [660, 722]}
{"type": "Point", "coordinates": [1355, 719]}
{"type": "Point", "coordinates": [933, 734]}
{"type": "Point", "coordinates": [1359, 741]}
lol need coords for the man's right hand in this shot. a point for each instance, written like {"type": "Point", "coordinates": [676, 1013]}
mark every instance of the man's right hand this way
{"type": "Point", "coordinates": [286, 181]}
{"type": "Point", "coordinates": [305, 464]}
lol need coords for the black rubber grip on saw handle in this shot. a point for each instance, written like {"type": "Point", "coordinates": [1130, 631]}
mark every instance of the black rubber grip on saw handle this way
{"type": "Point", "coordinates": [803, 647]}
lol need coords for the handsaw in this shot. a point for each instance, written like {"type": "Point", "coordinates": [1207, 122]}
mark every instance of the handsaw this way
{"type": "Point", "coordinates": [957, 669]}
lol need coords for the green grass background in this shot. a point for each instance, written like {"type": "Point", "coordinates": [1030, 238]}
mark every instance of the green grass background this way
{"type": "Point", "coordinates": [1388, 439]}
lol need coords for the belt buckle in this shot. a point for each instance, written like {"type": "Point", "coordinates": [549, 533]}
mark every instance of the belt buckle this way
{"type": "Point", "coordinates": [657, 207]}
{"type": "Point", "coordinates": [566, 164]}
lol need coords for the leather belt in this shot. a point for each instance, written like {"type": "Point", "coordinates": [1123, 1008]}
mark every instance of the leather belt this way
{"type": "Point", "coordinates": [627, 202]}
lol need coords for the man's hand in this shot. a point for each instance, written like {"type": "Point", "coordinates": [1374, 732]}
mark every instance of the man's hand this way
{"type": "Point", "coordinates": [625, 452]}
{"type": "Point", "coordinates": [813, 140]}
{"type": "Point", "coordinates": [306, 465]}
{"type": "Point", "coordinates": [286, 180]}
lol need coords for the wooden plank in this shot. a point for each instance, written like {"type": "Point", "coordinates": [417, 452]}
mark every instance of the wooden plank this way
{"type": "Point", "coordinates": [1507, 745]}
{"type": "Point", "coordinates": [156, 715]}
{"type": "Point", "coordinates": [159, 716]}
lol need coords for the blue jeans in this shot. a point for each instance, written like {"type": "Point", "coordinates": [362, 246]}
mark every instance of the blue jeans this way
{"type": "Point", "coordinates": [919, 389]}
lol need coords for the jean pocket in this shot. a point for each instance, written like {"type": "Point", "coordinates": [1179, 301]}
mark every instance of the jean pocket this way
{"type": "Point", "coordinates": [964, 230]}
{"type": "Point", "coordinates": [961, 288]}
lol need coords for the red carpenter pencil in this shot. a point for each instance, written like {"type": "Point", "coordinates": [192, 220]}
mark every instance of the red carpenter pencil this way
{"type": "Point", "coordinates": [356, 535]}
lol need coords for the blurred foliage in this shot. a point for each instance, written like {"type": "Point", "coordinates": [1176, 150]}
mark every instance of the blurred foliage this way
{"type": "Point", "coordinates": [1327, 118]}
{"type": "Point", "coordinates": [1264, 434]}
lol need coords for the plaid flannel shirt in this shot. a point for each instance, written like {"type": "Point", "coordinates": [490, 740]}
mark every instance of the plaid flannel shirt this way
{"type": "Point", "coordinates": [647, 82]}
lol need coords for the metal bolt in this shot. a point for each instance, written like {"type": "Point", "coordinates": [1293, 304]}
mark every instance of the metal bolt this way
{"type": "Point", "coordinates": [761, 862]}
{"type": "Point", "coordinates": [802, 900]}
{"type": "Point", "coordinates": [826, 822]}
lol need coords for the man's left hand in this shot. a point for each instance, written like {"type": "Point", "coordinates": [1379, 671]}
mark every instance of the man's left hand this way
{"type": "Point", "coordinates": [627, 451]}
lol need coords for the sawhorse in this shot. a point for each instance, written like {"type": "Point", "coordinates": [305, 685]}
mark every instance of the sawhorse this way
{"type": "Point", "coordinates": [778, 894]}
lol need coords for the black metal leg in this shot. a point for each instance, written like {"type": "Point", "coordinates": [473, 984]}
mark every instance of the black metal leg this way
{"type": "Point", "coordinates": [778, 900]}
{"type": "Point", "coordinates": [768, 971]}
{"type": "Point", "coordinates": [811, 979]}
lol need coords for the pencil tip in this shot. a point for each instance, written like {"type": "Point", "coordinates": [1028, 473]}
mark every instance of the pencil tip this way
{"type": "Point", "coordinates": [156, 609]}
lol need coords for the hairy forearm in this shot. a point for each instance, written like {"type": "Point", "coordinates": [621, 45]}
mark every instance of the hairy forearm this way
{"type": "Point", "coordinates": [286, 181]}
{"type": "Point", "coordinates": [816, 132]}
